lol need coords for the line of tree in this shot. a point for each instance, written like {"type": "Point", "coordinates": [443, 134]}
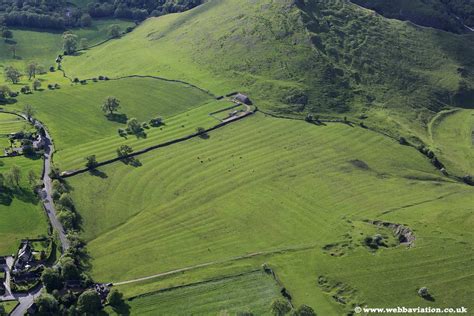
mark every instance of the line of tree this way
{"type": "Point", "coordinates": [59, 14]}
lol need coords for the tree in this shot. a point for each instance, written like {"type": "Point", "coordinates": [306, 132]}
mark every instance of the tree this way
{"type": "Point", "coordinates": [280, 307]}
{"type": "Point", "coordinates": [111, 105]}
{"type": "Point", "coordinates": [12, 74]}
{"type": "Point", "coordinates": [115, 298]}
{"type": "Point", "coordinates": [65, 201]}
{"type": "Point", "coordinates": [14, 176]}
{"type": "Point", "coordinates": [304, 310]}
{"type": "Point", "coordinates": [28, 111]}
{"type": "Point", "coordinates": [69, 270]}
{"type": "Point", "coordinates": [114, 31]}
{"type": "Point", "coordinates": [123, 151]}
{"type": "Point", "coordinates": [31, 70]}
{"type": "Point", "coordinates": [134, 126]}
{"type": "Point", "coordinates": [47, 305]}
{"type": "Point", "coordinates": [4, 92]}
{"type": "Point", "coordinates": [70, 42]}
{"type": "Point", "coordinates": [51, 279]}
{"type": "Point", "coordinates": [91, 162]}
{"type": "Point", "coordinates": [36, 84]}
{"type": "Point", "coordinates": [25, 89]}
{"type": "Point", "coordinates": [89, 303]}
{"type": "Point", "coordinates": [67, 219]}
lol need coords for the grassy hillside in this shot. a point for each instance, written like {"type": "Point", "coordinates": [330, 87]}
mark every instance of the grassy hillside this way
{"type": "Point", "coordinates": [452, 135]}
{"type": "Point", "coordinates": [20, 206]}
{"type": "Point", "coordinates": [43, 47]}
{"type": "Point", "coordinates": [79, 127]}
{"type": "Point", "coordinates": [205, 193]}
{"type": "Point", "coordinates": [447, 15]}
{"type": "Point", "coordinates": [329, 57]}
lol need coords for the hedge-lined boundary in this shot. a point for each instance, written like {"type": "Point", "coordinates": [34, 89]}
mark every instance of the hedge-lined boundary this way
{"type": "Point", "coordinates": [162, 145]}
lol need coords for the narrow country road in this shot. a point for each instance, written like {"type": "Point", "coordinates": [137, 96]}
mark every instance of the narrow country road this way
{"type": "Point", "coordinates": [47, 182]}
{"type": "Point", "coordinates": [25, 301]}
{"type": "Point", "coordinates": [46, 194]}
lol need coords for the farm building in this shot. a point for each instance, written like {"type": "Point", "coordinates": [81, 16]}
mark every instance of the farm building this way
{"type": "Point", "coordinates": [243, 98]}
{"type": "Point", "coordinates": [25, 254]}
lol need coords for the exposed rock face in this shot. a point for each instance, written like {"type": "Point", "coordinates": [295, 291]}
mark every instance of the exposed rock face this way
{"type": "Point", "coordinates": [404, 234]}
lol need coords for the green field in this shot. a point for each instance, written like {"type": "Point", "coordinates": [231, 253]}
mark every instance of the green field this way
{"type": "Point", "coordinates": [44, 46]}
{"type": "Point", "coordinates": [11, 124]}
{"type": "Point", "coordinates": [79, 128]}
{"type": "Point", "coordinates": [201, 206]}
{"type": "Point", "coordinates": [453, 138]}
{"type": "Point", "coordinates": [178, 230]}
{"type": "Point", "coordinates": [250, 292]}
{"type": "Point", "coordinates": [20, 206]}
{"type": "Point", "coordinates": [8, 305]}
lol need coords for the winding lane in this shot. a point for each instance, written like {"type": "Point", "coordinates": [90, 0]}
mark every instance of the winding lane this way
{"type": "Point", "coordinates": [27, 299]}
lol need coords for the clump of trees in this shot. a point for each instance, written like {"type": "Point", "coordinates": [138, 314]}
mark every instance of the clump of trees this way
{"type": "Point", "coordinates": [59, 15]}
{"type": "Point", "coordinates": [281, 307]}
{"type": "Point", "coordinates": [70, 270]}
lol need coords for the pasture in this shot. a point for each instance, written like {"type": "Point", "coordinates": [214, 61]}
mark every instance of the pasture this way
{"type": "Point", "coordinates": [453, 138]}
{"type": "Point", "coordinates": [20, 205]}
{"type": "Point", "coordinates": [8, 306]}
{"type": "Point", "coordinates": [79, 128]}
{"type": "Point", "coordinates": [43, 47]}
{"type": "Point", "coordinates": [253, 292]}
{"type": "Point", "coordinates": [201, 207]}
{"type": "Point", "coordinates": [10, 123]}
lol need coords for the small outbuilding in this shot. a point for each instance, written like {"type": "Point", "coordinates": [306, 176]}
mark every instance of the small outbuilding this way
{"type": "Point", "coordinates": [243, 98]}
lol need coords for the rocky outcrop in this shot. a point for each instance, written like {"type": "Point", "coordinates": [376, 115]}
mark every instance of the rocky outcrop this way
{"type": "Point", "coordinates": [404, 234]}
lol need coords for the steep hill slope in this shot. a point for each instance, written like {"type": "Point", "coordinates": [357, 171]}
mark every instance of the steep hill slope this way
{"type": "Point", "coordinates": [327, 57]}
{"type": "Point", "coordinates": [454, 16]}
